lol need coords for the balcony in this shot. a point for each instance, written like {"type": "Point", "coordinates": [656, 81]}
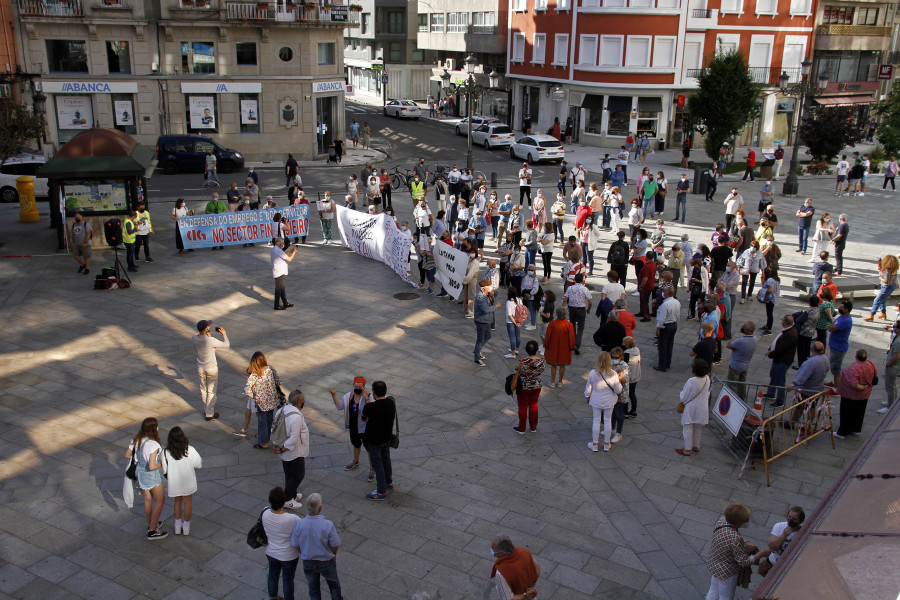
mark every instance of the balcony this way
{"type": "Point", "coordinates": [701, 19]}
{"type": "Point", "coordinates": [283, 13]}
{"type": "Point", "coordinates": [771, 76]}
{"type": "Point", "coordinates": [855, 30]}
{"type": "Point", "coordinates": [51, 8]}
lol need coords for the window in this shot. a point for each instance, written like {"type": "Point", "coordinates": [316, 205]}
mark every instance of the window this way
{"type": "Point", "coordinates": [326, 53]}
{"type": "Point", "coordinates": [614, 3]}
{"type": "Point", "coordinates": [201, 115]}
{"type": "Point", "coordinates": [540, 4]}
{"type": "Point", "coordinates": [563, 4]}
{"type": "Point", "coordinates": [366, 23]}
{"type": "Point", "coordinates": [286, 54]}
{"type": "Point", "coordinates": [666, 3]}
{"type": "Point", "coordinates": [437, 22]}
{"type": "Point", "coordinates": [418, 56]}
{"type": "Point", "coordinates": [395, 52]}
{"type": "Point", "coordinates": [867, 16]}
{"type": "Point", "coordinates": [732, 6]}
{"type": "Point", "coordinates": [835, 15]}
{"type": "Point", "coordinates": [249, 104]}
{"type": "Point", "coordinates": [67, 56]}
{"type": "Point", "coordinates": [539, 48]}
{"type": "Point", "coordinates": [561, 49]}
{"type": "Point", "coordinates": [663, 51]}
{"type": "Point", "coordinates": [619, 121]}
{"type": "Point", "coordinates": [423, 22]}
{"type": "Point", "coordinates": [198, 57]}
{"type": "Point", "coordinates": [845, 66]}
{"type": "Point", "coordinates": [693, 56]}
{"type": "Point", "coordinates": [640, 4]}
{"type": "Point", "coordinates": [637, 53]}
{"type": "Point", "coordinates": [611, 51]}
{"type": "Point", "coordinates": [394, 21]}
{"type": "Point", "coordinates": [519, 5]}
{"type": "Point", "coordinates": [123, 113]}
{"type": "Point", "coordinates": [587, 50]}
{"type": "Point", "coordinates": [457, 22]}
{"type": "Point", "coordinates": [766, 7]}
{"type": "Point", "coordinates": [245, 53]}
{"type": "Point", "coordinates": [801, 7]}
{"type": "Point", "coordinates": [117, 57]}
{"type": "Point", "coordinates": [484, 22]}
{"type": "Point", "coordinates": [518, 49]}
{"type": "Point", "coordinates": [590, 3]}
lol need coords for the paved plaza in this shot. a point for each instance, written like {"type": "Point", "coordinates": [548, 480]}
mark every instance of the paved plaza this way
{"type": "Point", "coordinates": [79, 370]}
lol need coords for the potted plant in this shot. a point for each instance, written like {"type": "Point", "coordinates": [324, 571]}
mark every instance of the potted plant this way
{"type": "Point", "coordinates": [328, 5]}
{"type": "Point", "coordinates": [309, 5]}
{"type": "Point", "coordinates": [262, 6]}
{"type": "Point", "coordinates": [356, 7]}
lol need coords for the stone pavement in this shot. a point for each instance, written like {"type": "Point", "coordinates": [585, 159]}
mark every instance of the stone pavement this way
{"type": "Point", "coordinates": [80, 368]}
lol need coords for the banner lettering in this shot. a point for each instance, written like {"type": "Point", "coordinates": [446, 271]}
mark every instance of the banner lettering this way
{"type": "Point", "coordinates": [451, 268]}
{"type": "Point", "coordinates": [375, 237]}
{"type": "Point", "coordinates": [244, 227]}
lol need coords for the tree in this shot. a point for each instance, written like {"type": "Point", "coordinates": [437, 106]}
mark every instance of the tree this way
{"type": "Point", "coordinates": [727, 99]}
{"type": "Point", "coordinates": [888, 111]}
{"type": "Point", "coordinates": [829, 130]}
{"type": "Point", "coordinates": [19, 128]}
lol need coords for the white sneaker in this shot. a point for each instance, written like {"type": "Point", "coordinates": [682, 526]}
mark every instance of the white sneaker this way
{"type": "Point", "coordinates": [594, 447]}
{"type": "Point", "coordinates": [881, 411]}
{"type": "Point", "coordinates": [298, 497]}
{"type": "Point", "coordinates": [530, 327]}
{"type": "Point", "coordinates": [509, 355]}
{"type": "Point", "coordinates": [636, 293]}
{"type": "Point", "coordinates": [541, 350]}
{"type": "Point", "coordinates": [861, 194]}
{"type": "Point", "coordinates": [884, 403]}
{"type": "Point", "coordinates": [177, 526]}
{"type": "Point", "coordinates": [186, 528]}
{"type": "Point", "coordinates": [293, 504]}
{"type": "Point", "coordinates": [616, 438]}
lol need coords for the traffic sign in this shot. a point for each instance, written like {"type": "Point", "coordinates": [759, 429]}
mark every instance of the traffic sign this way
{"type": "Point", "coordinates": [384, 79]}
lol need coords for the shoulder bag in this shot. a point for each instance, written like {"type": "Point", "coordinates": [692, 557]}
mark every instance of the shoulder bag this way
{"type": "Point", "coordinates": [131, 471]}
{"type": "Point", "coordinates": [395, 436]}
{"type": "Point", "coordinates": [279, 393]}
{"type": "Point", "coordinates": [682, 405]}
{"type": "Point", "coordinates": [512, 383]}
{"type": "Point", "coordinates": [256, 537]}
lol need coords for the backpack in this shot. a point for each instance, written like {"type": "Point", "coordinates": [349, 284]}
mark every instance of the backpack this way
{"type": "Point", "coordinates": [520, 314]}
{"type": "Point", "coordinates": [618, 255]}
{"type": "Point", "coordinates": [799, 319]}
{"type": "Point", "coordinates": [279, 429]}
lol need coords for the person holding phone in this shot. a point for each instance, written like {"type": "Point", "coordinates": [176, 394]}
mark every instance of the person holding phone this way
{"type": "Point", "coordinates": [205, 349]}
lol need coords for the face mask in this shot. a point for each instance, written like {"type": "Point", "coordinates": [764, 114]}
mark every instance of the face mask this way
{"type": "Point", "coordinates": [793, 524]}
{"type": "Point", "coordinates": [246, 203]}
{"type": "Point", "coordinates": [357, 391]}
{"type": "Point", "coordinates": [492, 553]}
{"type": "Point", "coordinates": [616, 361]}
{"type": "Point", "coordinates": [588, 221]}
{"type": "Point", "coordinates": [472, 255]}
{"type": "Point", "coordinates": [403, 227]}
{"type": "Point", "coordinates": [728, 269]}
{"type": "Point", "coordinates": [768, 242]}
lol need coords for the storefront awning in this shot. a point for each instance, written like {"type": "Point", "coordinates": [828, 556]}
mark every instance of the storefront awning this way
{"type": "Point", "coordinates": [649, 104]}
{"type": "Point", "coordinates": [619, 103]}
{"type": "Point", "coordinates": [592, 102]}
{"type": "Point", "coordinates": [845, 100]}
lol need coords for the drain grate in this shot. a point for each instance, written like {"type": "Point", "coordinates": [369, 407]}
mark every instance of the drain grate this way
{"type": "Point", "coordinates": [406, 296]}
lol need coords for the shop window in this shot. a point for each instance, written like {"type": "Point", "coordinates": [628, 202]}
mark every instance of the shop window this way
{"type": "Point", "coordinates": [326, 53]}
{"type": "Point", "coordinates": [198, 58]}
{"type": "Point", "coordinates": [117, 58]}
{"type": "Point", "coordinates": [245, 53]}
{"type": "Point", "coordinates": [249, 105]}
{"type": "Point", "coordinates": [201, 113]}
{"type": "Point", "coordinates": [647, 123]}
{"type": "Point", "coordinates": [286, 54]}
{"type": "Point", "coordinates": [618, 122]}
{"type": "Point", "coordinates": [74, 114]}
{"type": "Point", "coordinates": [123, 113]}
{"type": "Point", "coordinates": [594, 121]}
{"type": "Point", "coordinates": [67, 56]}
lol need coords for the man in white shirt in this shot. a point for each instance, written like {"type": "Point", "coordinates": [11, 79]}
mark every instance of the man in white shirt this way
{"type": "Point", "coordinates": [422, 215]}
{"type": "Point", "coordinates": [843, 167]}
{"type": "Point", "coordinates": [733, 203]}
{"type": "Point", "coordinates": [453, 181]}
{"type": "Point", "coordinates": [205, 348]}
{"type": "Point", "coordinates": [280, 260]}
{"type": "Point", "coordinates": [623, 162]}
{"type": "Point", "coordinates": [612, 290]}
{"type": "Point", "coordinates": [783, 533]}
{"type": "Point", "coordinates": [577, 174]}
{"type": "Point", "coordinates": [295, 449]}
{"type": "Point", "coordinates": [525, 184]}
{"type": "Point", "coordinates": [667, 316]}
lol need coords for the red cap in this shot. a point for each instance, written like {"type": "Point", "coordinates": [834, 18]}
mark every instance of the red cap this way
{"type": "Point", "coordinates": [360, 380]}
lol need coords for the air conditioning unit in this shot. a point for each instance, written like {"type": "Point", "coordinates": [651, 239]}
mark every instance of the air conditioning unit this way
{"type": "Point", "coordinates": [450, 64]}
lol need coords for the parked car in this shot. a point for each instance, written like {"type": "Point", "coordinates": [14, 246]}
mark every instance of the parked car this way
{"type": "Point", "coordinates": [491, 135]}
{"type": "Point", "coordinates": [535, 148]}
{"type": "Point", "coordinates": [402, 109]}
{"type": "Point", "coordinates": [16, 166]}
{"type": "Point", "coordinates": [462, 128]}
{"type": "Point", "coordinates": [187, 154]}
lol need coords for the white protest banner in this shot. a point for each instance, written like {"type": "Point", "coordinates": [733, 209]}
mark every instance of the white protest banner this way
{"type": "Point", "coordinates": [451, 268]}
{"type": "Point", "coordinates": [244, 227]}
{"type": "Point", "coordinates": [375, 237]}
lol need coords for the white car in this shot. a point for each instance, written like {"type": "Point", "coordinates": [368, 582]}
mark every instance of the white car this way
{"type": "Point", "coordinates": [462, 128]}
{"type": "Point", "coordinates": [535, 148]}
{"type": "Point", "coordinates": [402, 109]}
{"type": "Point", "coordinates": [491, 135]}
{"type": "Point", "coordinates": [16, 166]}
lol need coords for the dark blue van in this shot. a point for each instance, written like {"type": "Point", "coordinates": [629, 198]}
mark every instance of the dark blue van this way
{"type": "Point", "coordinates": [187, 154]}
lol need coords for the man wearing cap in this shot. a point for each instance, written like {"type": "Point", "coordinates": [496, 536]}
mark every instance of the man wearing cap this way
{"type": "Point", "coordinates": [352, 404]}
{"type": "Point", "coordinates": [205, 348]}
{"type": "Point", "coordinates": [280, 260]}
{"type": "Point", "coordinates": [576, 174]}
{"type": "Point", "coordinates": [214, 207]}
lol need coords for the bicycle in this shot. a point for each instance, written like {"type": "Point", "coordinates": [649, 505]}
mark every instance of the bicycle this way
{"type": "Point", "coordinates": [399, 179]}
{"type": "Point", "coordinates": [440, 172]}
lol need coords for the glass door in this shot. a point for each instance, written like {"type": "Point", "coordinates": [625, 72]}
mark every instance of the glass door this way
{"type": "Point", "coordinates": [325, 122]}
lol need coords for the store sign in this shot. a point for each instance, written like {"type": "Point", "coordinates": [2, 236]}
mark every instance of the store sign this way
{"type": "Point", "coordinates": [220, 87]}
{"type": "Point", "coordinates": [558, 95]}
{"type": "Point", "coordinates": [74, 112]}
{"type": "Point", "coordinates": [340, 14]}
{"type": "Point", "coordinates": [681, 100]}
{"type": "Point", "coordinates": [90, 87]}
{"type": "Point", "coordinates": [885, 72]}
{"type": "Point", "coordinates": [322, 87]}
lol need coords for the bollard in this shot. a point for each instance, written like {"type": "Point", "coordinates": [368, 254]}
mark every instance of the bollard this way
{"type": "Point", "coordinates": [494, 179]}
{"type": "Point", "coordinates": [28, 212]}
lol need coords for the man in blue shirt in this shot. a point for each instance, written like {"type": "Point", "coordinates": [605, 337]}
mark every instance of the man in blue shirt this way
{"type": "Point", "coordinates": [742, 350]}
{"type": "Point", "coordinates": [810, 379]}
{"type": "Point", "coordinates": [505, 211]}
{"type": "Point", "coordinates": [804, 223]}
{"type": "Point", "coordinates": [839, 340]}
{"type": "Point", "coordinates": [317, 540]}
{"type": "Point", "coordinates": [477, 226]}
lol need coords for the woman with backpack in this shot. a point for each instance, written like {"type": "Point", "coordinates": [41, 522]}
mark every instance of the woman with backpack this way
{"type": "Point", "coordinates": [145, 450]}
{"type": "Point", "coordinates": [179, 463]}
{"type": "Point", "coordinates": [282, 557]}
{"type": "Point", "coordinates": [516, 314]}
{"type": "Point", "coordinates": [262, 387]}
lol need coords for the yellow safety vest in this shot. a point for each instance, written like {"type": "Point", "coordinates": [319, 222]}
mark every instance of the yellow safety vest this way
{"type": "Point", "coordinates": [417, 188]}
{"type": "Point", "coordinates": [129, 238]}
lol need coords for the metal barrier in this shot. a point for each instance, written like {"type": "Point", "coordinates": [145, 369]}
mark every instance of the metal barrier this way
{"type": "Point", "coordinates": [757, 432]}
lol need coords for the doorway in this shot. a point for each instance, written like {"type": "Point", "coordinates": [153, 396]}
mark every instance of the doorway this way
{"type": "Point", "coordinates": [326, 124]}
{"type": "Point", "coordinates": [575, 115]}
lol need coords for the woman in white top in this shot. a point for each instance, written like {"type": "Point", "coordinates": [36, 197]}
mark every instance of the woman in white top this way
{"type": "Point", "coordinates": [635, 217]}
{"type": "Point", "coordinates": [180, 210]}
{"type": "Point", "coordinates": [539, 216]}
{"type": "Point", "coordinates": [179, 462]}
{"type": "Point", "coordinates": [282, 557]}
{"type": "Point", "coordinates": [822, 236]}
{"type": "Point", "coordinates": [373, 191]}
{"type": "Point", "coordinates": [602, 393]}
{"type": "Point", "coordinates": [615, 210]}
{"type": "Point", "coordinates": [695, 395]}
{"type": "Point", "coordinates": [146, 451]}
{"type": "Point", "coordinates": [513, 326]}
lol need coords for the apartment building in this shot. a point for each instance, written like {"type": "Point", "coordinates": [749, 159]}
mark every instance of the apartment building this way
{"type": "Point", "coordinates": [9, 54]}
{"type": "Point", "coordinates": [229, 70]}
{"type": "Point", "coordinates": [385, 45]}
{"type": "Point", "coordinates": [620, 66]}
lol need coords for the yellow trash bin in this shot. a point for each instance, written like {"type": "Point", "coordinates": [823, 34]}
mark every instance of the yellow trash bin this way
{"type": "Point", "coordinates": [28, 212]}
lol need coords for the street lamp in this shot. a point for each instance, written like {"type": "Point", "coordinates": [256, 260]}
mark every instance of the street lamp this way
{"type": "Point", "coordinates": [803, 90]}
{"type": "Point", "coordinates": [472, 90]}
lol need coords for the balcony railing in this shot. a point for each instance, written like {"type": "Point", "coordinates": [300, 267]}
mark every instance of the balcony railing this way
{"type": "Point", "coordinates": [701, 13]}
{"type": "Point", "coordinates": [299, 13]}
{"type": "Point", "coordinates": [194, 4]}
{"type": "Point", "coordinates": [423, 28]}
{"type": "Point", "coordinates": [855, 30]}
{"type": "Point", "coordinates": [51, 8]}
{"type": "Point", "coordinates": [769, 76]}
{"type": "Point", "coordinates": [693, 72]}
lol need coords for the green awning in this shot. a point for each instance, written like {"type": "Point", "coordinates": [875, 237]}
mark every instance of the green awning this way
{"type": "Point", "coordinates": [63, 167]}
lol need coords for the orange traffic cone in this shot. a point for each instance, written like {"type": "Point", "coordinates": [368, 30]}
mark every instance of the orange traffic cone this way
{"type": "Point", "coordinates": [758, 405]}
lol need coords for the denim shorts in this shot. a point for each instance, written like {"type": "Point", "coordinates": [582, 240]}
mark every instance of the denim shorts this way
{"type": "Point", "coordinates": [147, 480]}
{"type": "Point", "coordinates": [837, 360]}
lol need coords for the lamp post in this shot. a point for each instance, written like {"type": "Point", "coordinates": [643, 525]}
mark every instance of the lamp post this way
{"type": "Point", "coordinates": [803, 90]}
{"type": "Point", "coordinates": [472, 90]}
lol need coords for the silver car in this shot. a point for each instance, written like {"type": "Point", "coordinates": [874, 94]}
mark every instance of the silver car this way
{"type": "Point", "coordinates": [403, 109]}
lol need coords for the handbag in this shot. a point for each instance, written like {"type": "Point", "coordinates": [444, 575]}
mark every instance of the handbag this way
{"type": "Point", "coordinates": [512, 381]}
{"type": "Point", "coordinates": [131, 471]}
{"type": "Point", "coordinates": [682, 405]}
{"type": "Point", "coordinates": [256, 537]}
{"type": "Point", "coordinates": [764, 566]}
{"type": "Point", "coordinates": [395, 436]}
